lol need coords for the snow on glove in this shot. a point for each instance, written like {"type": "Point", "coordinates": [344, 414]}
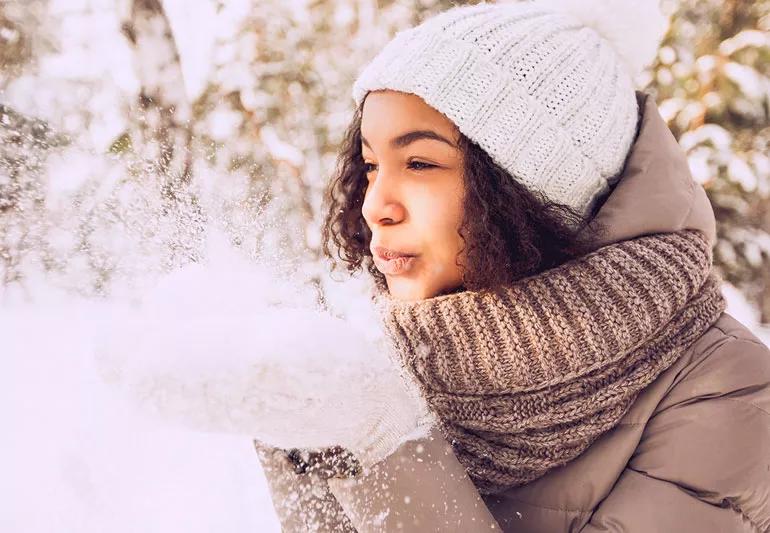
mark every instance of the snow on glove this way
{"type": "Point", "coordinates": [292, 377]}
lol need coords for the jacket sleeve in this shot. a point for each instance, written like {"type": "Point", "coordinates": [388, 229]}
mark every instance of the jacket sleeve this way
{"type": "Point", "coordinates": [703, 462]}
{"type": "Point", "coordinates": [420, 487]}
{"type": "Point", "coordinates": [302, 502]}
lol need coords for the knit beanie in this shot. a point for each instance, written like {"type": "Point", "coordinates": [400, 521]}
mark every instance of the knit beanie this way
{"type": "Point", "coordinates": [545, 87]}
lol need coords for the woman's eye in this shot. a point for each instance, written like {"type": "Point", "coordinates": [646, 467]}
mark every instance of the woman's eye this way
{"type": "Point", "coordinates": [415, 165]}
{"type": "Point", "coordinates": [419, 165]}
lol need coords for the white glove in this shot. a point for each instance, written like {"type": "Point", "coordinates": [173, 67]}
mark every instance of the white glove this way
{"type": "Point", "coordinates": [289, 377]}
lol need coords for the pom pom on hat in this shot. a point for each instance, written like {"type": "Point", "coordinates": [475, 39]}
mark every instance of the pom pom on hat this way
{"type": "Point", "coordinates": [634, 28]}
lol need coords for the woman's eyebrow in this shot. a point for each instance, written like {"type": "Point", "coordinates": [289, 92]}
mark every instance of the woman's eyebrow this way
{"type": "Point", "coordinates": [409, 137]}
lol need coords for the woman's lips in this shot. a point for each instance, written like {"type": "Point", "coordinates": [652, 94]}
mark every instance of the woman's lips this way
{"type": "Point", "coordinates": [392, 262]}
{"type": "Point", "coordinates": [395, 266]}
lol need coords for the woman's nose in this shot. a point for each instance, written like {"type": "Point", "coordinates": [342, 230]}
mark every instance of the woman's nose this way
{"type": "Point", "coordinates": [382, 201]}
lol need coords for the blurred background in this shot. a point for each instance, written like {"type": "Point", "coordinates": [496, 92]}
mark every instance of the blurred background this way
{"type": "Point", "coordinates": [129, 128]}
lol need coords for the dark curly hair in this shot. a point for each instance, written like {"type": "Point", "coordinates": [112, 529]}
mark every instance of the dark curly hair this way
{"type": "Point", "coordinates": [509, 231]}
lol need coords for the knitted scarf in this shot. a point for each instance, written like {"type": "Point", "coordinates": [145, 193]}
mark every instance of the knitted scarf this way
{"type": "Point", "coordinates": [523, 379]}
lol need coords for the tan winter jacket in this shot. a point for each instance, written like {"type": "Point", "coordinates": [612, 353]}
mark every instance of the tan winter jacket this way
{"type": "Point", "coordinates": [691, 455]}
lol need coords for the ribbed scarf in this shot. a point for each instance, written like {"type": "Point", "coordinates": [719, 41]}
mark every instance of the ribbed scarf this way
{"type": "Point", "coordinates": [525, 378]}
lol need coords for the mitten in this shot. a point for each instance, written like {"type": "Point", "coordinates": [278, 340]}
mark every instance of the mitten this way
{"type": "Point", "coordinates": [289, 376]}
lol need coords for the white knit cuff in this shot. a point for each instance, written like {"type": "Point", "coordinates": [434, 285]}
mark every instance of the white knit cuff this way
{"type": "Point", "coordinates": [402, 422]}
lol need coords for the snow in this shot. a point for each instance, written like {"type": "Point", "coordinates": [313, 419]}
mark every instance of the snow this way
{"type": "Point", "coordinates": [713, 134]}
{"type": "Point", "coordinates": [751, 82]}
{"type": "Point", "coordinates": [80, 443]}
{"type": "Point", "coordinates": [223, 124]}
{"type": "Point", "coordinates": [740, 172]}
{"type": "Point", "coordinates": [195, 46]}
{"type": "Point", "coordinates": [86, 75]}
{"type": "Point", "coordinates": [746, 38]}
{"type": "Point", "coordinates": [745, 313]}
{"type": "Point", "coordinates": [670, 107]}
{"type": "Point", "coordinates": [279, 149]}
{"type": "Point", "coordinates": [77, 457]}
{"type": "Point", "coordinates": [227, 346]}
{"type": "Point", "coordinates": [698, 161]}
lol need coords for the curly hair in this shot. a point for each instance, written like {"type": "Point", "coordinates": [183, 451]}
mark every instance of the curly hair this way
{"type": "Point", "coordinates": [509, 231]}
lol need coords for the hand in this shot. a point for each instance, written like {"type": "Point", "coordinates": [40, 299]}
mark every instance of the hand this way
{"type": "Point", "coordinates": [291, 377]}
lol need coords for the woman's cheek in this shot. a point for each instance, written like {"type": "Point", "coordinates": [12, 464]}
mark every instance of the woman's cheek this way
{"type": "Point", "coordinates": [437, 269]}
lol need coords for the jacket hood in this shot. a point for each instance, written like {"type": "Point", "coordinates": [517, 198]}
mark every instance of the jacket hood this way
{"type": "Point", "coordinates": [656, 192]}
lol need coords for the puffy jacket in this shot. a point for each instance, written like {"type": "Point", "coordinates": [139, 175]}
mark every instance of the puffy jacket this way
{"type": "Point", "coordinates": [692, 454]}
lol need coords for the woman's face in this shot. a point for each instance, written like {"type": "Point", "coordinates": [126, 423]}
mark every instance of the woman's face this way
{"type": "Point", "coordinates": [413, 200]}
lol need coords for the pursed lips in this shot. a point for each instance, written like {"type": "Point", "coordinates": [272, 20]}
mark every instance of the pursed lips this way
{"type": "Point", "coordinates": [387, 253]}
{"type": "Point", "coordinates": [391, 262]}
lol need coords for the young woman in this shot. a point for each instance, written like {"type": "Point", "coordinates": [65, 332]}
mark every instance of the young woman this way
{"type": "Point", "coordinates": [545, 256]}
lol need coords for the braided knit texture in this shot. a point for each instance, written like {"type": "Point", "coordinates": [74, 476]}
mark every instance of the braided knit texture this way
{"type": "Point", "coordinates": [525, 378]}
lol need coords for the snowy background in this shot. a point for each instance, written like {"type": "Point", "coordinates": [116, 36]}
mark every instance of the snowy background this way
{"type": "Point", "coordinates": [139, 136]}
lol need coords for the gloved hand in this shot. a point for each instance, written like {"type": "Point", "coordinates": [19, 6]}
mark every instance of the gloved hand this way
{"type": "Point", "coordinates": [291, 377]}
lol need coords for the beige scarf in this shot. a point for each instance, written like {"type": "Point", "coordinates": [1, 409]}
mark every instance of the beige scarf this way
{"type": "Point", "coordinates": [526, 378]}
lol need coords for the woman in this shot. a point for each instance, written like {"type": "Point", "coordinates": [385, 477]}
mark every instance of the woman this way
{"type": "Point", "coordinates": [545, 256]}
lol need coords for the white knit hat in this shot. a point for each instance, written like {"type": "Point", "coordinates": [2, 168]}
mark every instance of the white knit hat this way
{"type": "Point", "coordinates": [545, 87]}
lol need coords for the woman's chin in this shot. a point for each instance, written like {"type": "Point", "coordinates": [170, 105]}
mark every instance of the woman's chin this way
{"type": "Point", "coordinates": [404, 289]}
